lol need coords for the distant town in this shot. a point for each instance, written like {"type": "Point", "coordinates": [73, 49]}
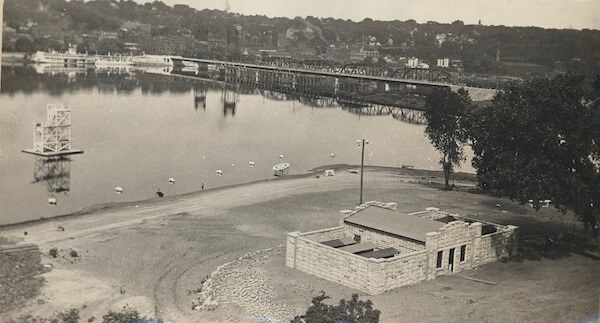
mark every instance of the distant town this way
{"type": "Point", "coordinates": [486, 56]}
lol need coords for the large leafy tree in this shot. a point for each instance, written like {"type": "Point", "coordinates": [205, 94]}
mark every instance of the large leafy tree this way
{"type": "Point", "coordinates": [444, 111]}
{"type": "Point", "coordinates": [539, 140]}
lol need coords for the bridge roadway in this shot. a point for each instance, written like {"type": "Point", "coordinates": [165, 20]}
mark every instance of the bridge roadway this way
{"type": "Point", "coordinates": [315, 72]}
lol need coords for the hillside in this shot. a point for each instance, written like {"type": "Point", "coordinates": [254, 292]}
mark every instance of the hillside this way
{"type": "Point", "coordinates": [108, 25]}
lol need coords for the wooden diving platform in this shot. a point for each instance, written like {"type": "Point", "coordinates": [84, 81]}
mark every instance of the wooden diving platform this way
{"type": "Point", "coordinates": [53, 153]}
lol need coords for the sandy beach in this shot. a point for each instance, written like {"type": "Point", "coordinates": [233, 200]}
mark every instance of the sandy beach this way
{"type": "Point", "coordinates": [154, 255]}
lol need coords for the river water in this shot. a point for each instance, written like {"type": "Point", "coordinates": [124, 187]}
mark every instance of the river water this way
{"type": "Point", "coordinates": [140, 128]}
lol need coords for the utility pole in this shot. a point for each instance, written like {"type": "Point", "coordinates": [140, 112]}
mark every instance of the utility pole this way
{"type": "Point", "coordinates": [362, 143]}
{"type": "Point", "coordinates": [226, 37]}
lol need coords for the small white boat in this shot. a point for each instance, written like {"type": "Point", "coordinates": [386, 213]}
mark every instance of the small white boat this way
{"type": "Point", "coordinates": [281, 169]}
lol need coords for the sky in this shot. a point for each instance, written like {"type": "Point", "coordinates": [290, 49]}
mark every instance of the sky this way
{"type": "Point", "coordinates": [559, 14]}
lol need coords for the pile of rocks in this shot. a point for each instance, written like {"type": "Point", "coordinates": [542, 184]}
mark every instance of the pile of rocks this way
{"type": "Point", "coordinates": [240, 283]}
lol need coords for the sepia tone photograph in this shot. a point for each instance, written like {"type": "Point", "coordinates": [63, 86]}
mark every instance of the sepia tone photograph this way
{"type": "Point", "coordinates": [308, 161]}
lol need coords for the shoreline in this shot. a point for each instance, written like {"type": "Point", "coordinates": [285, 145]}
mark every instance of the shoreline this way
{"type": "Point", "coordinates": [95, 208]}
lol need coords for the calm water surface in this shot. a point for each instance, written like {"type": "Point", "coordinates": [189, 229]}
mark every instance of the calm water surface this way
{"type": "Point", "coordinates": [140, 129]}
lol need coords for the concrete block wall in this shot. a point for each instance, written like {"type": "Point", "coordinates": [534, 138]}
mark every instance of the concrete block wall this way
{"type": "Point", "coordinates": [383, 239]}
{"type": "Point", "coordinates": [430, 214]}
{"type": "Point", "coordinates": [479, 249]}
{"type": "Point", "coordinates": [497, 245]}
{"type": "Point", "coordinates": [328, 263]}
{"type": "Point", "coordinates": [326, 234]}
{"type": "Point", "coordinates": [373, 276]}
{"type": "Point", "coordinates": [402, 270]}
{"type": "Point", "coordinates": [317, 235]}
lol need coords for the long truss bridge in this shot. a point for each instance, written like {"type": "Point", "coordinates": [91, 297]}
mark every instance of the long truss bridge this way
{"type": "Point", "coordinates": [415, 76]}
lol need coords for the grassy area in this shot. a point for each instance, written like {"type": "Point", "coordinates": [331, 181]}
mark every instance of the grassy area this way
{"type": "Point", "coordinates": [19, 277]}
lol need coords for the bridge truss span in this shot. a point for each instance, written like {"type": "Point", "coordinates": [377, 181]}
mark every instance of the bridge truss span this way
{"type": "Point", "coordinates": [407, 75]}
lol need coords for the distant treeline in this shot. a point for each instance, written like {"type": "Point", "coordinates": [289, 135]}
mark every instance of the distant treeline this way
{"type": "Point", "coordinates": [475, 45]}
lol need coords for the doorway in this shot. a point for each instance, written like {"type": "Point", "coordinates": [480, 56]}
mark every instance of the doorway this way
{"type": "Point", "coordinates": [451, 260]}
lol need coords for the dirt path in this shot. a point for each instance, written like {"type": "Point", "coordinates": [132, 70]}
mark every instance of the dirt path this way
{"type": "Point", "coordinates": [154, 255]}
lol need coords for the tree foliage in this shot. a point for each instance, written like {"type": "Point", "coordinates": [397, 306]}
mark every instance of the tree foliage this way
{"type": "Point", "coordinates": [539, 141]}
{"type": "Point", "coordinates": [24, 44]}
{"type": "Point", "coordinates": [126, 315]}
{"type": "Point", "coordinates": [106, 46]}
{"type": "Point", "coordinates": [445, 128]}
{"type": "Point", "coordinates": [350, 311]}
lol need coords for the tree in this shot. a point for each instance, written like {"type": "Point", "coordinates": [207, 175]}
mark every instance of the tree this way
{"type": "Point", "coordinates": [86, 46]}
{"type": "Point", "coordinates": [24, 44]}
{"type": "Point", "coordinates": [352, 311]}
{"type": "Point", "coordinates": [108, 45]}
{"type": "Point", "coordinates": [540, 140]}
{"type": "Point", "coordinates": [444, 111]}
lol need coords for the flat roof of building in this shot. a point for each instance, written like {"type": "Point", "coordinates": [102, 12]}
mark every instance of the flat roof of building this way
{"type": "Point", "coordinates": [336, 243]}
{"type": "Point", "coordinates": [359, 247]}
{"type": "Point", "coordinates": [394, 222]}
{"type": "Point", "coordinates": [382, 253]}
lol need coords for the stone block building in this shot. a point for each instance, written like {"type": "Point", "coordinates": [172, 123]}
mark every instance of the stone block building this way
{"type": "Point", "coordinates": [377, 248]}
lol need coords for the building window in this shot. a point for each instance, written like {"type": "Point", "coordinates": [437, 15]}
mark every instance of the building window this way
{"type": "Point", "coordinates": [440, 255]}
{"type": "Point", "coordinates": [463, 253]}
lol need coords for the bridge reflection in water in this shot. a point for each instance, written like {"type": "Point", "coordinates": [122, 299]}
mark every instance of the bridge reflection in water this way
{"type": "Point", "coordinates": [354, 96]}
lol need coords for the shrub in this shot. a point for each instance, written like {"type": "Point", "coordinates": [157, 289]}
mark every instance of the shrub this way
{"type": "Point", "coordinates": [73, 253]}
{"type": "Point", "coordinates": [352, 311]}
{"type": "Point", "coordinates": [54, 252]}
{"type": "Point", "coordinates": [70, 316]}
{"type": "Point", "coordinates": [126, 315]}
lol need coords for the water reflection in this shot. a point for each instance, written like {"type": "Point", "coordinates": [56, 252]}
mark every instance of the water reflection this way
{"type": "Point", "coordinates": [230, 97]}
{"type": "Point", "coordinates": [354, 96]}
{"type": "Point", "coordinates": [200, 97]}
{"type": "Point", "coordinates": [54, 172]}
{"type": "Point", "coordinates": [404, 115]}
